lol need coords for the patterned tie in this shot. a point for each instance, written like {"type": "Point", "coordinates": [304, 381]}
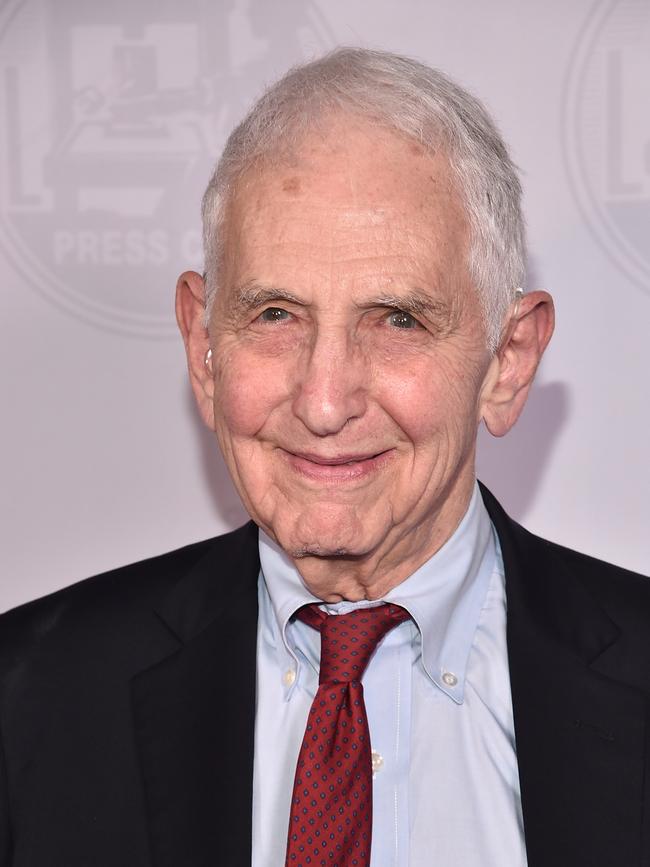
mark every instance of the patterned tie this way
{"type": "Point", "coordinates": [331, 807]}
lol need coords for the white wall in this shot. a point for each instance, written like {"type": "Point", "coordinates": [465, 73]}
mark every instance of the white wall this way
{"type": "Point", "coordinates": [111, 115]}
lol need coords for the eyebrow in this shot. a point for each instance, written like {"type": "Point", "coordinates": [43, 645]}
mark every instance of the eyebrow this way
{"type": "Point", "coordinates": [254, 294]}
{"type": "Point", "coordinates": [416, 302]}
{"type": "Point", "coordinates": [251, 295]}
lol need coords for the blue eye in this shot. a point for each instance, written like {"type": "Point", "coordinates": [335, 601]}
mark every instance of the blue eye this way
{"type": "Point", "coordinates": [274, 314]}
{"type": "Point", "coordinates": [400, 319]}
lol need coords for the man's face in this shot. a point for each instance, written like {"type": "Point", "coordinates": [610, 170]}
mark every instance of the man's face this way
{"type": "Point", "coordinates": [349, 349]}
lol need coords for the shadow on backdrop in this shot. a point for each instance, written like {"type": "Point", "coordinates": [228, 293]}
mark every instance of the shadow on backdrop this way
{"type": "Point", "coordinates": [513, 466]}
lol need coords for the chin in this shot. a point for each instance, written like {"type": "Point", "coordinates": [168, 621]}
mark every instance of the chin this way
{"type": "Point", "coordinates": [334, 533]}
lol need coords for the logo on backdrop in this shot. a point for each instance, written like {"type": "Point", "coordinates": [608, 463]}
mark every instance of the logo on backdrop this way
{"type": "Point", "coordinates": [111, 116]}
{"type": "Point", "coordinates": [607, 132]}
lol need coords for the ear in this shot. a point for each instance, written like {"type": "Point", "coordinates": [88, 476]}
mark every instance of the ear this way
{"type": "Point", "coordinates": [513, 368]}
{"type": "Point", "coordinates": [190, 311]}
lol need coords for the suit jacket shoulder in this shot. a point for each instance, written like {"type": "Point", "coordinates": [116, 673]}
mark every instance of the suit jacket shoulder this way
{"type": "Point", "coordinates": [75, 743]}
{"type": "Point", "coordinates": [108, 607]}
{"type": "Point", "coordinates": [539, 562]}
{"type": "Point", "coordinates": [622, 591]}
{"type": "Point", "coordinates": [100, 602]}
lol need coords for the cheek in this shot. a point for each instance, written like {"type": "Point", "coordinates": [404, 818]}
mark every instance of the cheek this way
{"type": "Point", "coordinates": [246, 392]}
{"type": "Point", "coordinates": [430, 398]}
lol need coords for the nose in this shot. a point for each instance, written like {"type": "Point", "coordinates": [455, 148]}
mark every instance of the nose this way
{"type": "Point", "coordinates": [331, 390]}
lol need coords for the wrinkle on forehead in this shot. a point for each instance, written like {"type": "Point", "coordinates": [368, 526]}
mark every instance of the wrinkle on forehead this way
{"type": "Point", "coordinates": [348, 218]}
{"type": "Point", "coordinates": [360, 200]}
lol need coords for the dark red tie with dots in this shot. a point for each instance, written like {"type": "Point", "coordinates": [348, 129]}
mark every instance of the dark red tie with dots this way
{"type": "Point", "coordinates": [331, 807]}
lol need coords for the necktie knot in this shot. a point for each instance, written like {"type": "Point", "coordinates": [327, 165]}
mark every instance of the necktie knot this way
{"type": "Point", "coordinates": [349, 640]}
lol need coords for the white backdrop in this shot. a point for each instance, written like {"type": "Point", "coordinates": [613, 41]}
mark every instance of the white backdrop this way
{"type": "Point", "coordinates": [111, 115]}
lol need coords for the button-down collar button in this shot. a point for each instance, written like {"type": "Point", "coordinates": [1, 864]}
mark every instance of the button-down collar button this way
{"type": "Point", "coordinates": [449, 679]}
{"type": "Point", "coordinates": [289, 677]}
{"type": "Point", "coordinates": [377, 761]}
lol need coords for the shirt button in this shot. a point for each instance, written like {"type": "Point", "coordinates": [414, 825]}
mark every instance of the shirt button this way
{"type": "Point", "coordinates": [289, 677]}
{"type": "Point", "coordinates": [449, 679]}
{"type": "Point", "coordinates": [377, 761]}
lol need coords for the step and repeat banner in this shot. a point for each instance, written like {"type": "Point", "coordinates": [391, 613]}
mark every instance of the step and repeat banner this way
{"type": "Point", "coordinates": [111, 118]}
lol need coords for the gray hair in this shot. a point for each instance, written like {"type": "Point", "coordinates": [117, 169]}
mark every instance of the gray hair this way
{"type": "Point", "coordinates": [421, 103]}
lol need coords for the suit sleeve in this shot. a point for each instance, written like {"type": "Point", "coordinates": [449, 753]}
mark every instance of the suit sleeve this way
{"type": "Point", "coordinates": [5, 825]}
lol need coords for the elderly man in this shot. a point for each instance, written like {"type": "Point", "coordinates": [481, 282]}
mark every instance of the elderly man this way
{"type": "Point", "coordinates": [338, 682]}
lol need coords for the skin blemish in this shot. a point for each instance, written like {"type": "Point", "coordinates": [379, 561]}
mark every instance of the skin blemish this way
{"type": "Point", "coordinates": [291, 186]}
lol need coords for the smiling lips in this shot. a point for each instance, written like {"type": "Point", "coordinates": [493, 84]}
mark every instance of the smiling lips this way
{"type": "Point", "coordinates": [342, 468]}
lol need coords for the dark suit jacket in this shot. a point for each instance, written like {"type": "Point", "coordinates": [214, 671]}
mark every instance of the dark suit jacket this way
{"type": "Point", "coordinates": [127, 707]}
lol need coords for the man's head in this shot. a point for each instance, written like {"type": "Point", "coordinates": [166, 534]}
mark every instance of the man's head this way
{"type": "Point", "coordinates": [363, 250]}
{"type": "Point", "coordinates": [392, 93]}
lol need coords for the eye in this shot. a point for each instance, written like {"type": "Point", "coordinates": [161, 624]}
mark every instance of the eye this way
{"type": "Point", "coordinates": [274, 314]}
{"type": "Point", "coordinates": [401, 319]}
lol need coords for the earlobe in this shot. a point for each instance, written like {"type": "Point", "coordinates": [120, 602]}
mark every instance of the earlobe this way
{"type": "Point", "coordinates": [526, 336]}
{"type": "Point", "coordinates": [190, 310]}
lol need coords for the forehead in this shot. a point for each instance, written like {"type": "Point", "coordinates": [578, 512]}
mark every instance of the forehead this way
{"type": "Point", "coordinates": [350, 193]}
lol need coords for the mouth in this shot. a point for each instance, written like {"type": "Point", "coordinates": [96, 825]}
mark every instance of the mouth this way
{"type": "Point", "coordinates": [340, 468]}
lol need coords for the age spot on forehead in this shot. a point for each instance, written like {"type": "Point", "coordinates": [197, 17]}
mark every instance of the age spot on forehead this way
{"type": "Point", "coordinates": [291, 185]}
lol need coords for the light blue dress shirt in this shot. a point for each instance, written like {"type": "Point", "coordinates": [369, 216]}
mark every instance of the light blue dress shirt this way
{"type": "Point", "coordinates": [437, 692]}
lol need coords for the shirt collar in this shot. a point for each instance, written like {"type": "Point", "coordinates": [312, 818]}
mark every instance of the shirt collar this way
{"type": "Point", "coordinates": [444, 597]}
{"type": "Point", "coordinates": [282, 593]}
{"type": "Point", "coordinates": [446, 594]}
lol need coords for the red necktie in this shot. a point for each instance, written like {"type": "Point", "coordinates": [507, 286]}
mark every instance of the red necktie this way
{"type": "Point", "coordinates": [331, 807]}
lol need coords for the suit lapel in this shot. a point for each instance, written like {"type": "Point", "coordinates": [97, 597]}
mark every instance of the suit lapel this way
{"type": "Point", "coordinates": [579, 734]}
{"type": "Point", "coordinates": [194, 712]}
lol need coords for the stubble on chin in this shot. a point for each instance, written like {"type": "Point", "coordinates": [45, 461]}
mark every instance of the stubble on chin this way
{"type": "Point", "coordinates": [325, 532]}
{"type": "Point", "coordinates": [319, 551]}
